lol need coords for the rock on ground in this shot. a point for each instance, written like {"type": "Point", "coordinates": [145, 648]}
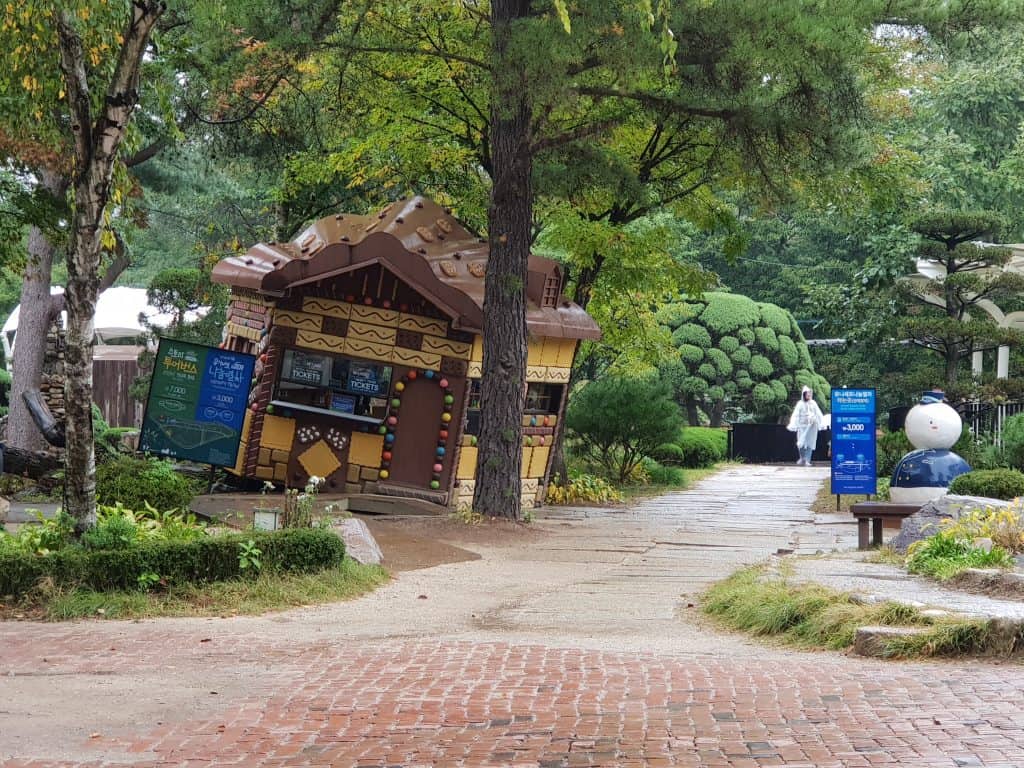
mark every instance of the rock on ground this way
{"type": "Point", "coordinates": [927, 521]}
{"type": "Point", "coordinates": [359, 542]}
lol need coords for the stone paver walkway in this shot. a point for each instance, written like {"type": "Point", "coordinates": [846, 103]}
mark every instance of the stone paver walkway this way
{"type": "Point", "coordinates": [575, 650]}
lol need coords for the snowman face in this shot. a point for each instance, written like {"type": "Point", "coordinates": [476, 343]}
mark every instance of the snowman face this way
{"type": "Point", "coordinates": [935, 425]}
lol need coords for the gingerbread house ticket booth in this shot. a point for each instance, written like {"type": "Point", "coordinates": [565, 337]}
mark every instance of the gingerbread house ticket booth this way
{"type": "Point", "coordinates": [368, 336]}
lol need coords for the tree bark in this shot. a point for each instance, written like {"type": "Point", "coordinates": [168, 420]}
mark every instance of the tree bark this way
{"type": "Point", "coordinates": [510, 218]}
{"type": "Point", "coordinates": [34, 464]}
{"type": "Point", "coordinates": [35, 315]}
{"type": "Point", "coordinates": [96, 148]}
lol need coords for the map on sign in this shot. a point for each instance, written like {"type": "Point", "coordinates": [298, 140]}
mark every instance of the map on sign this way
{"type": "Point", "coordinates": [854, 466]}
{"type": "Point", "coordinates": [197, 401]}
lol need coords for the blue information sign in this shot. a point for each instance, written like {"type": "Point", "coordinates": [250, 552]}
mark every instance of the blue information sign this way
{"type": "Point", "coordinates": [854, 464]}
{"type": "Point", "coordinates": [197, 401]}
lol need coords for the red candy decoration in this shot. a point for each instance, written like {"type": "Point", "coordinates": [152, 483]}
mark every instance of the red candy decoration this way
{"type": "Point", "coordinates": [438, 467]}
{"type": "Point", "coordinates": [386, 455]}
{"type": "Point", "coordinates": [368, 300]}
{"type": "Point", "coordinates": [412, 375]}
{"type": "Point", "coordinates": [443, 434]}
{"type": "Point", "coordinates": [443, 383]}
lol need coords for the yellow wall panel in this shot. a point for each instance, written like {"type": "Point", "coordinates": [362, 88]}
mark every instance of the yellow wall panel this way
{"type": "Point", "coordinates": [550, 350]}
{"type": "Point", "coordinates": [446, 347]}
{"type": "Point", "coordinates": [278, 433]}
{"type": "Point", "coordinates": [566, 350]}
{"type": "Point", "coordinates": [477, 354]}
{"type": "Point", "coordinates": [378, 334]}
{"type": "Point", "coordinates": [321, 341]}
{"type": "Point", "coordinates": [415, 359]}
{"type": "Point", "coordinates": [475, 370]}
{"type": "Point", "coordinates": [365, 449]}
{"type": "Point", "coordinates": [527, 457]}
{"type": "Point", "coordinates": [328, 307]}
{"type": "Point", "coordinates": [534, 351]}
{"type": "Point", "coordinates": [368, 349]}
{"type": "Point", "coordinates": [374, 315]}
{"type": "Point", "coordinates": [467, 463]}
{"type": "Point", "coordinates": [301, 320]}
{"type": "Point", "coordinates": [539, 461]}
{"type": "Point", "coordinates": [422, 324]}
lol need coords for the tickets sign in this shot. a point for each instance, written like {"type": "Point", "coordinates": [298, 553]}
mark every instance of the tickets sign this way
{"type": "Point", "coordinates": [196, 404]}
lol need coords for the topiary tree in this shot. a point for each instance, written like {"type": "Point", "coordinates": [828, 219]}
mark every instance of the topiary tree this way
{"type": "Point", "coordinates": [734, 352]}
{"type": "Point", "coordinates": [619, 421]}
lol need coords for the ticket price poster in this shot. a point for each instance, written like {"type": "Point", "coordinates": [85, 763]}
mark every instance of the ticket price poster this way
{"type": "Point", "coordinates": [854, 460]}
{"type": "Point", "coordinates": [197, 401]}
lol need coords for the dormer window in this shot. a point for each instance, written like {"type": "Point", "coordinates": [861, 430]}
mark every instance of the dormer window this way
{"type": "Point", "coordinates": [552, 286]}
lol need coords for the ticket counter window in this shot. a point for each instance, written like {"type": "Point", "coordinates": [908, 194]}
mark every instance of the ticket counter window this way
{"type": "Point", "coordinates": [339, 385]}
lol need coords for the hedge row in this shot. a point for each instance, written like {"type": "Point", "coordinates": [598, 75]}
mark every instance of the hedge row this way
{"type": "Point", "coordinates": [213, 558]}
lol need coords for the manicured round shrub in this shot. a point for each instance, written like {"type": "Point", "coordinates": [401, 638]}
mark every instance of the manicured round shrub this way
{"type": "Point", "coordinates": [691, 354]}
{"type": "Point", "coordinates": [135, 482]}
{"type": "Point", "coordinates": [721, 361]}
{"type": "Point", "coordinates": [729, 312]}
{"type": "Point", "coordinates": [702, 446]}
{"type": "Point", "coordinates": [776, 318]}
{"type": "Point", "coordinates": [760, 367]}
{"type": "Point", "coordinates": [668, 454]}
{"type": "Point", "coordinates": [766, 338]}
{"type": "Point", "coordinates": [764, 397]}
{"type": "Point", "coordinates": [728, 344]}
{"type": "Point", "coordinates": [741, 356]}
{"type": "Point", "coordinates": [788, 352]}
{"type": "Point", "coordinates": [691, 333]}
{"type": "Point", "coordinates": [1003, 484]}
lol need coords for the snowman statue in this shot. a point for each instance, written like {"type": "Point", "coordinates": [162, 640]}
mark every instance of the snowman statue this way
{"type": "Point", "coordinates": [932, 427]}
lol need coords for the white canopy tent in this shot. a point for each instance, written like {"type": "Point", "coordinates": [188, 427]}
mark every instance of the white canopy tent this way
{"type": "Point", "coordinates": [117, 318]}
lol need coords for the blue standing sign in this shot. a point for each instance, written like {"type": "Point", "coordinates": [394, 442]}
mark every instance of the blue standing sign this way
{"type": "Point", "coordinates": [854, 463]}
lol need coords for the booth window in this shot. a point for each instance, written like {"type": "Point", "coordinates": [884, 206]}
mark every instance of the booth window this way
{"type": "Point", "coordinates": [329, 382]}
{"type": "Point", "coordinates": [543, 398]}
{"type": "Point", "coordinates": [473, 409]}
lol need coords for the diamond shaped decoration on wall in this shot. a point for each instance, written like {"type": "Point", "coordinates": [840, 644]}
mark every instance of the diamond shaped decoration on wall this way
{"type": "Point", "coordinates": [319, 460]}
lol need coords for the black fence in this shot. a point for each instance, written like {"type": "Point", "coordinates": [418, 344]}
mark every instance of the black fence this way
{"type": "Point", "coordinates": [771, 444]}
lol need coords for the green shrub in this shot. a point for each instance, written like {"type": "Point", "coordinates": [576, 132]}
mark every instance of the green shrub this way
{"type": "Point", "coordinates": [668, 454]}
{"type": "Point", "coordinates": [135, 482]}
{"type": "Point", "coordinates": [1013, 440]}
{"type": "Point", "coordinates": [702, 446]}
{"type": "Point", "coordinates": [944, 555]}
{"type": "Point", "coordinates": [115, 532]}
{"type": "Point", "coordinates": [211, 558]}
{"type": "Point", "coordinates": [662, 475]}
{"type": "Point", "coordinates": [581, 488]}
{"type": "Point", "coordinates": [991, 483]}
{"type": "Point", "coordinates": [619, 421]}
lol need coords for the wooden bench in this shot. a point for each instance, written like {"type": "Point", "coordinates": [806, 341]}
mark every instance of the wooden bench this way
{"type": "Point", "coordinates": [875, 513]}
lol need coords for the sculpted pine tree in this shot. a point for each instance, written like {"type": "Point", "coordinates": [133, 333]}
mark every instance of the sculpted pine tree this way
{"type": "Point", "coordinates": [960, 279]}
{"type": "Point", "coordinates": [97, 127]}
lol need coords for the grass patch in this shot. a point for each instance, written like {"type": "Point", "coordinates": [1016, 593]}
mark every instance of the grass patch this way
{"type": "Point", "coordinates": [945, 555]}
{"type": "Point", "coordinates": [690, 476]}
{"type": "Point", "coordinates": [885, 556]}
{"type": "Point", "coordinates": [262, 594]}
{"type": "Point", "coordinates": [812, 616]}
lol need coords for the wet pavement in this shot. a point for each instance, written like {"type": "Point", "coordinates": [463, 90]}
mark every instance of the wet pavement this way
{"type": "Point", "coordinates": [575, 647]}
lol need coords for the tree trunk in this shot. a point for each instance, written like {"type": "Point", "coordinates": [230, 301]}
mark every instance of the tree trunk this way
{"type": "Point", "coordinates": [510, 218]}
{"type": "Point", "coordinates": [34, 464]}
{"type": "Point", "coordinates": [97, 144]}
{"type": "Point", "coordinates": [34, 318]}
{"type": "Point", "coordinates": [692, 414]}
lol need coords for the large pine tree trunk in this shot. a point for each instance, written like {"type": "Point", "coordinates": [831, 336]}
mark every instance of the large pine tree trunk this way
{"type": "Point", "coordinates": [34, 318]}
{"type": "Point", "coordinates": [510, 219]}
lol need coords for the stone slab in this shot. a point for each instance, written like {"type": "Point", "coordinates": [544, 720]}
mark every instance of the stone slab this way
{"type": "Point", "coordinates": [360, 544]}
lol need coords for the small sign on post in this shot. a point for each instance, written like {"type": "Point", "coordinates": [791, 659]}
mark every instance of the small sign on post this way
{"type": "Point", "coordinates": [196, 404]}
{"type": "Point", "coordinates": [854, 461]}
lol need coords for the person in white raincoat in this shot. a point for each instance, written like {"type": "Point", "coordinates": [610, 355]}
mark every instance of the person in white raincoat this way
{"type": "Point", "coordinates": [806, 420]}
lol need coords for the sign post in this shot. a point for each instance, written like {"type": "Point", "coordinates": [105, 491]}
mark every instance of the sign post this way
{"type": "Point", "coordinates": [196, 404]}
{"type": "Point", "coordinates": [854, 463]}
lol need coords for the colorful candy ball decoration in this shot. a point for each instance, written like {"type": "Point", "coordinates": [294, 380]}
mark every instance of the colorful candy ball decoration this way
{"type": "Point", "coordinates": [391, 424]}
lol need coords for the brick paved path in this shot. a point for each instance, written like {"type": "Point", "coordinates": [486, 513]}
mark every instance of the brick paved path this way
{"type": "Point", "coordinates": [339, 687]}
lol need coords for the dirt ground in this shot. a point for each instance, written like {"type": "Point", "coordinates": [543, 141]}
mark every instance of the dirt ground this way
{"type": "Point", "coordinates": [412, 543]}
